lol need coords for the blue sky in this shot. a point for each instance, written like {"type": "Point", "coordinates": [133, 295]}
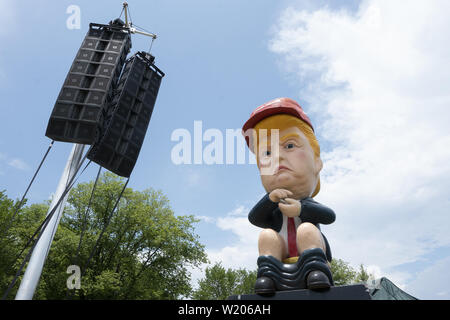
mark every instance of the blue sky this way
{"type": "Point", "coordinates": [370, 74]}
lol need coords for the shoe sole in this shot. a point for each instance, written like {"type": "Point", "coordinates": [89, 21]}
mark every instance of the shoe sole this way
{"type": "Point", "coordinates": [265, 292]}
{"type": "Point", "coordinates": [319, 286]}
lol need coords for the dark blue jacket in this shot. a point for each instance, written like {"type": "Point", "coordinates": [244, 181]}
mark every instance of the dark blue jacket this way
{"type": "Point", "coordinates": [266, 214]}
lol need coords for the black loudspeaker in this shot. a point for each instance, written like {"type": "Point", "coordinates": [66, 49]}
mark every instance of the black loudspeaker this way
{"type": "Point", "coordinates": [126, 122]}
{"type": "Point", "coordinates": [89, 85]}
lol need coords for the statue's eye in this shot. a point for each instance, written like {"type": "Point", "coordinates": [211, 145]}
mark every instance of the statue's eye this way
{"type": "Point", "coordinates": [289, 146]}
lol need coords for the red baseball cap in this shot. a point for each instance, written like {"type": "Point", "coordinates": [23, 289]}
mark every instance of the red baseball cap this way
{"type": "Point", "coordinates": [276, 106]}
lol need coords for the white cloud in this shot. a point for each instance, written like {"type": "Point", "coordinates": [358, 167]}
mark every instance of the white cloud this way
{"type": "Point", "coordinates": [377, 85]}
{"type": "Point", "coordinates": [432, 283]}
{"type": "Point", "coordinates": [207, 219]}
{"type": "Point", "coordinates": [18, 164]}
{"type": "Point", "coordinates": [242, 253]}
{"type": "Point", "coordinates": [13, 162]}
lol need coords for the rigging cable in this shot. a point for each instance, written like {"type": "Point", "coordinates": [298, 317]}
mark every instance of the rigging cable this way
{"type": "Point", "coordinates": [142, 29]}
{"type": "Point", "coordinates": [40, 230]}
{"type": "Point", "coordinates": [120, 16]}
{"type": "Point", "coordinates": [50, 214]}
{"type": "Point", "coordinates": [129, 13]}
{"type": "Point", "coordinates": [22, 201]}
{"type": "Point", "coordinates": [83, 229]}
{"type": "Point", "coordinates": [151, 45]}
{"type": "Point", "coordinates": [104, 228]}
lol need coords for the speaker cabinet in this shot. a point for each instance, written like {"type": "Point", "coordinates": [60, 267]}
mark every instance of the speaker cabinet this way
{"type": "Point", "coordinates": [90, 83]}
{"type": "Point", "coordinates": [128, 117]}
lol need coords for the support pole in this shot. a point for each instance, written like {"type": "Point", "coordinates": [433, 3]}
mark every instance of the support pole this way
{"type": "Point", "coordinates": [36, 264]}
{"type": "Point", "coordinates": [148, 34]}
{"type": "Point", "coordinates": [125, 8]}
{"type": "Point", "coordinates": [132, 29]}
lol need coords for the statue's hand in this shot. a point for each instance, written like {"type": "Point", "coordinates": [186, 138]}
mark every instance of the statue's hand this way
{"type": "Point", "coordinates": [290, 207]}
{"type": "Point", "coordinates": [278, 194]}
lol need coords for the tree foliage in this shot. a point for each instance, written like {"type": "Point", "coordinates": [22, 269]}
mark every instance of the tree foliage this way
{"type": "Point", "coordinates": [344, 274]}
{"type": "Point", "coordinates": [144, 252]}
{"type": "Point", "coordinates": [220, 283]}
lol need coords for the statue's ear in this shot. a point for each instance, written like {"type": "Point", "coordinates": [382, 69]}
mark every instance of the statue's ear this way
{"type": "Point", "coordinates": [319, 164]}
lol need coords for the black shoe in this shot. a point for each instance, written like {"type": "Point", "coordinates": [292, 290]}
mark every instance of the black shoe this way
{"type": "Point", "coordinates": [317, 280]}
{"type": "Point", "coordinates": [264, 286]}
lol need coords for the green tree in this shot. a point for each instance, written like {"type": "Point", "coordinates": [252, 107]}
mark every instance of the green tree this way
{"type": "Point", "coordinates": [14, 234]}
{"type": "Point", "coordinates": [144, 253]}
{"type": "Point", "coordinates": [7, 249]}
{"type": "Point", "coordinates": [344, 274]}
{"type": "Point", "coordinates": [362, 276]}
{"type": "Point", "coordinates": [220, 283]}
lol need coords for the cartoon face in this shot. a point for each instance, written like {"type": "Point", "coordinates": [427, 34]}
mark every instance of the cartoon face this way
{"type": "Point", "coordinates": [289, 163]}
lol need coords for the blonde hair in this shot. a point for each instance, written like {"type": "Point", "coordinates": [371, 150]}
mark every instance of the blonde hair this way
{"type": "Point", "coordinates": [284, 121]}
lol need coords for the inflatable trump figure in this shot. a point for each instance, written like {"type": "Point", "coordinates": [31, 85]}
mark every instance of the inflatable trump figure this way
{"type": "Point", "coordinates": [293, 252]}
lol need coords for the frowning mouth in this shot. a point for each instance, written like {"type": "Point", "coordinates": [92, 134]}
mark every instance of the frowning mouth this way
{"type": "Point", "coordinates": [283, 168]}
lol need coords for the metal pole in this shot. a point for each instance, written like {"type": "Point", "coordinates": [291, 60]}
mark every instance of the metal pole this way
{"type": "Point", "coordinates": [133, 30]}
{"type": "Point", "coordinates": [125, 7]}
{"type": "Point", "coordinates": [36, 264]}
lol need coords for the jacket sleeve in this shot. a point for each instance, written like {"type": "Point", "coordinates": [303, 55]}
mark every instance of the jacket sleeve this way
{"type": "Point", "coordinates": [315, 213]}
{"type": "Point", "coordinates": [265, 214]}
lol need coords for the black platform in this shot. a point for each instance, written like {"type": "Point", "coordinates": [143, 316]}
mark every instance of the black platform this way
{"type": "Point", "coordinates": [353, 292]}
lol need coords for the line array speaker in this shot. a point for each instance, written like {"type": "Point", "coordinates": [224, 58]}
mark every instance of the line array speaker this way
{"type": "Point", "coordinates": [90, 83]}
{"type": "Point", "coordinates": [126, 122]}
